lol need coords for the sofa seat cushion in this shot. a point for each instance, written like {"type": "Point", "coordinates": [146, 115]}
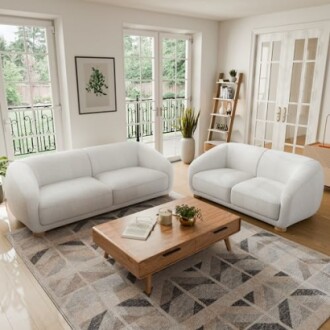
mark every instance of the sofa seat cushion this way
{"type": "Point", "coordinates": [218, 182]}
{"type": "Point", "coordinates": [132, 183]}
{"type": "Point", "coordinates": [259, 195]}
{"type": "Point", "coordinates": [72, 198]}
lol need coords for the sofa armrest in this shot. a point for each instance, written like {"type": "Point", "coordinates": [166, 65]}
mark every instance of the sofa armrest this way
{"type": "Point", "coordinates": [212, 159]}
{"type": "Point", "coordinates": [302, 195]}
{"type": "Point", "coordinates": [153, 159]}
{"type": "Point", "coordinates": [22, 193]}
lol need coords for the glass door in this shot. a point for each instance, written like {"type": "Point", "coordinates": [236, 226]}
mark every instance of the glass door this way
{"type": "Point", "coordinates": [28, 88]}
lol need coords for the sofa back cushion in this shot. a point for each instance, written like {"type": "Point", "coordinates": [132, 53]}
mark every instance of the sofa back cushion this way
{"type": "Point", "coordinates": [113, 156]}
{"type": "Point", "coordinates": [244, 157]}
{"type": "Point", "coordinates": [280, 165]}
{"type": "Point", "coordinates": [59, 166]}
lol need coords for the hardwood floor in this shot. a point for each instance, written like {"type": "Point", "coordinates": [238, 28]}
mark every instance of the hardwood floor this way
{"type": "Point", "coordinates": [25, 305]}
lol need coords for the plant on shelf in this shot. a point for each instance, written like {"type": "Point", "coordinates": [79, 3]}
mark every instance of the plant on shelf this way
{"type": "Point", "coordinates": [187, 125]}
{"type": "Point", "coordinates": [3, 169]}
{"type": "Point", "coordinates": [233, 74]}
{"type": "Point", "coordinates": [188, 214]}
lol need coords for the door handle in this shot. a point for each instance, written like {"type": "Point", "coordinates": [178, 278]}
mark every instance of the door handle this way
{"type": "Point", "coordinates": [278, 114]}
{"type": "Point", "coordinates": [284, 115]}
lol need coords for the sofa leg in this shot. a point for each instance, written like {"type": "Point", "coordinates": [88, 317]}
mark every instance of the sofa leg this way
{"type": "Point", "coordinates": [282, 230]}
{"type": "Point", "coordinates": [39, 235]}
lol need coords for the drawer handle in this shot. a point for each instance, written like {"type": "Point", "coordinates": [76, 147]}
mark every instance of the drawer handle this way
{"type": "Point", "coordinates": [219, 230]}
{"type": "Point", "coordinates": [171, 252]}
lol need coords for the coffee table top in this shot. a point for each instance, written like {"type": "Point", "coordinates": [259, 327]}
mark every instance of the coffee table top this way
{"type": "Point", "coordinates": [163, 238]}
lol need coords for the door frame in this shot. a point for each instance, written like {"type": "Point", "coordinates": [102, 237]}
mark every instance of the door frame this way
{"type": "Point", "coordinates": [323, 26]}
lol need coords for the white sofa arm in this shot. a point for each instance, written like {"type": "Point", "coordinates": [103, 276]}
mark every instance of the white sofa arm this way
{"type": "Point", "coordinates": [214, 158]}
{"type": "Point", "coordinates": [22, 194]}
{"type": "Point", "coordinates": [153, 159]}
{"type": "Point", "coordinates": [303, 194]}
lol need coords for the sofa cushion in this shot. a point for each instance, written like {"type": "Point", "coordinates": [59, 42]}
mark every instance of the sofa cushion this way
{"type": "Point", "coordinates": [114, 156]}
{"type": "Point", "coordinates": [67, 199]}
{"type": "Point", "coordinates": [59, 166]}
{"type": "Point", "coordinates": [131, 183]}
{"type": "Point", "coordinates": [218, 183]}
{"type": "Point", "coordinates": [259, 195]}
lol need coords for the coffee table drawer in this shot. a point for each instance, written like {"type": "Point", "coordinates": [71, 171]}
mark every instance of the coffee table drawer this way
{"type": "Point", "coordinates": [217, 234]}
{"type": "Point", "coordinates": [163, 260]}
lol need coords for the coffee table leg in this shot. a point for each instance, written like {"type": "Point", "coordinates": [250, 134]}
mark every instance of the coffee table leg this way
{"type": "Point", "coordinates": [106, 255]}
{"type": "Point", "coordinates": [227, 242]}
{"type": "Point", "coordinates": [148, 284]}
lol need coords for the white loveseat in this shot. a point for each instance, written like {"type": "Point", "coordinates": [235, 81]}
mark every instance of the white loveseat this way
{"type": "Point", "coordinates": [52, 190]}
{"type": "Point", "coordinates": [273, 186]}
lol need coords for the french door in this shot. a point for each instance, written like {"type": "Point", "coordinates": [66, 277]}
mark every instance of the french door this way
{"type": "Point", "coordinates": [29, 97]}
{"type": "Point", "coordinates": [157, 81]}
{"type": "Point", "coordinates": [289, 79]}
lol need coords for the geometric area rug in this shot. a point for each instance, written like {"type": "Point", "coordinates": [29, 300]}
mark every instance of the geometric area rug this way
{"type": "Point", "coordinates": [266, 282]}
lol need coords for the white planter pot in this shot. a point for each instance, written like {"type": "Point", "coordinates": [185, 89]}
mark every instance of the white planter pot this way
{"type": "Point", "coordinates": [187, 150]}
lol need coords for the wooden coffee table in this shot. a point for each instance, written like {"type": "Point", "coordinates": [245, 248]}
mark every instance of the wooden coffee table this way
{"type": "Point", "coordinates": [165, 245]}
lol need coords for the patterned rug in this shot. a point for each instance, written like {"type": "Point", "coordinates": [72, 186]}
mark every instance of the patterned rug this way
{"type": "Point", "coordinates": [266, 282]}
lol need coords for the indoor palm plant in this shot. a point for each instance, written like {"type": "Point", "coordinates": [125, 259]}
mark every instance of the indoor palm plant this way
{"type": "Point", "coordinates": [3, 170]}
{"type": "Point", "coordinates": [187, 125]}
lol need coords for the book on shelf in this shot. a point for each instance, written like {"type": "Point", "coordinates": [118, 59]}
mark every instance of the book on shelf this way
{"type": "Point", "coordinates": [140, 228]}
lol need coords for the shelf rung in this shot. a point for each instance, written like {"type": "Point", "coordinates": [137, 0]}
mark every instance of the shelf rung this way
{"type": "Point", "coordinates": [217, 130]}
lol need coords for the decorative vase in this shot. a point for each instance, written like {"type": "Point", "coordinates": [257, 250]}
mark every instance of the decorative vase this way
{"type": "Point", "coordinates": [187, 150]}
{"type": "Point", "coordinates": [187, 222]}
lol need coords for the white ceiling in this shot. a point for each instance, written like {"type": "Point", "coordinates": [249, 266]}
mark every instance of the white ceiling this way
{"type": "Point", "coordinates": [215, 9]}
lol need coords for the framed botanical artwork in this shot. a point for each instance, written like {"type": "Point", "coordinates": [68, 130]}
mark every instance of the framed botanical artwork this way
{"type": "Point", "coordinates": [96, 84]}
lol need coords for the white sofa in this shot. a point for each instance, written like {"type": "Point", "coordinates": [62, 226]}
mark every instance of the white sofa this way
{"type": "Point", "coordinates": [53, 190]}
{"type": "Point", "coordinates": [273, 186]}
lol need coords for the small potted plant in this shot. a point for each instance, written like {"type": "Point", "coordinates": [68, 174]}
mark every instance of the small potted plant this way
{"type": "Point", "coordinates": [3, 169]}
{"type": "Point", "coordinates": [232, 74]}
{"type": "Point", "coordinates": [188, 214]}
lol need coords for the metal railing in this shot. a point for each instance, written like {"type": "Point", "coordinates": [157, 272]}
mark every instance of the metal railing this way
{"type": "Point", "coordinates": [141, 116]}
{"type": "Point", "coordinates": [32, 129]}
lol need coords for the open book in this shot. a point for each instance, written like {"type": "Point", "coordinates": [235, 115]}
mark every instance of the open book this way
{"type": "Point", "coordinates": [139, 228]}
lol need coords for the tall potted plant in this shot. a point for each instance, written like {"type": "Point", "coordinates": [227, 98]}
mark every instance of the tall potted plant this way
{"type": "Point", "coordinates": [187, 125]}
{"type": "Point", "coordinates": [3, 170]}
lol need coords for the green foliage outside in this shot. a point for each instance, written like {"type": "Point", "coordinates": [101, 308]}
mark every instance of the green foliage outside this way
{"type": "Point", "coordinates": [16, 68]}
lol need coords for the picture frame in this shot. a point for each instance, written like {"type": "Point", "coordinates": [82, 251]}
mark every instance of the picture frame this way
{"type": "Point", "coordinates": [96, 84]}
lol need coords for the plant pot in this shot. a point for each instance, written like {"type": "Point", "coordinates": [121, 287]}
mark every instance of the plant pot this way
{"type": "Point", "coordinates": [187, 150]}
{"type": "Point", "coordinates": [232, 79]}
{"type": "Point", "coordinates": [187, 222]}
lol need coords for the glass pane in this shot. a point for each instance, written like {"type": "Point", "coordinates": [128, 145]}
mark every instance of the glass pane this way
{"type": "Point", "coordinates": [304, 113]}
{"type": "Point", "coordinates": [18, 94]}
{"type": "Point", "coordinates": [132, 68]}
{"type": "Point", "coordinates": [169, 48]}
{"type": "Point", "coordinates": [14, 67]}
{"type": "Point", "coordinates": [12, 38]}
{"type": "Point", "coordinates": [265, 49]}
{"type": "Point", "coordinates": [181, 69]}
{"type": "Point", "coordinates": [181, 48]}
{"type": "Point", "coordinates": [146, 90]}
{"type": "Point", "coordinates": [299, 49]}
{"type": "Point", "coordinates": [168, 90]}
{"type": "Point", "coordinates": [168, 69]}
{"type": "Point", "coordinates": [263, 82]}
{"type": "Point", "coordinates": [39, 70]}
{"type": "Point", "coordinates": [181, 89]}
{"type": "Point", "coordinates": [44, 120]}
{"type": "Point", "coordinates": [301, 136]}
{"type": "Point", "coordinates": [308, 84]}
{"type": "Point", "coordinates": [276, 50]}
{"type": "Point", "coordinates": [260, 130]}
{"type": "Point", "coordinates": [146, 69]}
{"type": "Point", "coordinates": [132, 89]}
{"type": "Point", "coordinates": [261, 110]}
{"type": "Point", "coordinates": [42, 95]}
{"type": "Point", "coordinates": [132, 45]}
{"type": "Point", "coordinates": [273, 81]}
{"type": "Point", "coordinates": [35, 39]}
{"type": "Point", "coordinates": [292, 114]}
{"type": "Point", "coordinates": [295, 82]}
{"type": "Point", "coordinates": [269, 131]}
{"type": "Point", "coordinates": [311, 48]}
{"type": "Point", "coordinates": [147, 46]}
{"type": "Point", "coordinates": [289, 134]}
{"type": "Point", "coordinates": [271, 112]}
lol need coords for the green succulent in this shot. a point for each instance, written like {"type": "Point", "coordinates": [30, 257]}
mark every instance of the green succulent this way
{"type": "Point", "coordinates": [188, 212]}
{"type": "Point", "coordinates": [233, 73]}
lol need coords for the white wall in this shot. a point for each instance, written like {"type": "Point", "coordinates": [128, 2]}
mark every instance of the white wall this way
{"type": "Point", "coordinates": [97, 30]}
{"type": "Point", "coordinates": [235, 43]}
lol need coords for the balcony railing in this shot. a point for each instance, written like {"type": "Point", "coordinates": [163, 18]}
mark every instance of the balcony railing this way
{"type": "Point", "coordinates": [141, 116]}
{"type": "Point", "coordinates": [32, 129]}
